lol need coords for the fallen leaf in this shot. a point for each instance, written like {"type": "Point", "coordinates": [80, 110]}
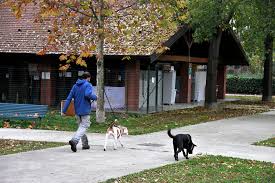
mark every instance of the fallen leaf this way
{"type": "Point", "coordinates": [6, 124]}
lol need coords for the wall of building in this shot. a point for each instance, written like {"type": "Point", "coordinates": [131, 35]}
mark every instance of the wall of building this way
{"type": "Point", "coordinates": [31, 79]}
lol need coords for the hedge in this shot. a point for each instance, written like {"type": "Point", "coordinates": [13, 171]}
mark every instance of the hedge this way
{"type": "Point", "coordinates": [245, 85]}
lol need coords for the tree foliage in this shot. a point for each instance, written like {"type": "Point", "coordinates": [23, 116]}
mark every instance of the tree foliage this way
{"type": "Point", "coordinates": [208, 15]}
{"type": "Point", "coordinates": [126, 26]}
{"type": "Point", "coordinates": [83, 28]}
{"type": "Point", "coordinates": [257, 27]}
{"type": "Point", "coordinates": [209, 19]}
{"type": "Point", "coordinates": [254, 20]}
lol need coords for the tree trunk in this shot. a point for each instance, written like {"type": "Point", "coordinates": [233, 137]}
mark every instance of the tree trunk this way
{"type": "Point", "coordinates": [267, 80]}
{"type": "Point", "coordinates": [100, 111]}
{"type": "Point", "coordinates": [211, 79]}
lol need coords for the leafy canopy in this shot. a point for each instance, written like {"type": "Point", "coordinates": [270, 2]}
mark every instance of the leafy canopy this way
{"type": "Point", "coordinates": [128, 27]}
{"type": "Point", "coordinates": [254, 20]}
{"type": "Point", "coordinates": [206, 16]}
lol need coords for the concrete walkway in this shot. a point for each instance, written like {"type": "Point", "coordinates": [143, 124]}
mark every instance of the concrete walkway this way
{"type": "Point", "coordinates": [229, 137]}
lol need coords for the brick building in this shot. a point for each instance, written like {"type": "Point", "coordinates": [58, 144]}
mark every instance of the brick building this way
{"type": "Point", "coordinates": [26, 77]}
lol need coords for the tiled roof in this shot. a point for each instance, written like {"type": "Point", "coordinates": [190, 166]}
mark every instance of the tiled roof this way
{"type": "Point", "coordinates": [24, 36]}
{"type": "Point", "coordinates": [21, 35]}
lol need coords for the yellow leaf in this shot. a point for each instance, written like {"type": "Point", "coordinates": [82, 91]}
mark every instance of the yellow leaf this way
{"type": "Point", "coordinates": [107, 12]}
{"type": "Point", "coordinates": [92, 48]}
{"type": "Point", "coordinates": [100, 31]}
{"type": "Point", "coordinates": [18, 13]}
{"type": "Point", "coordinates": [79, 61]}
{"type": "Point", "coordinates": [63, 57]}
{"type": "Point", "coordinates": [72, 57]}
{"type": "Point", "coordinates": [64, 67]}
{"type": "Point", "coordinates": [162, 49]}
{"type": "Point", "coordinates": [74, 29]}
{"type": "Point", "coordinates": [131, 49]}
{"type": "Point", "coordinates": [84, 64]}
{"type": "Point", "coordinates": [126, 58]}
{"type": "Point", "coordinates": [41, 52]}
{"type": "Point", "coordinates": [85, 54]}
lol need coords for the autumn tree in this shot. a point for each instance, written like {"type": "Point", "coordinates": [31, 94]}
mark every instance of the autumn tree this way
{"type": "Point", "coordinates": [85, 28]}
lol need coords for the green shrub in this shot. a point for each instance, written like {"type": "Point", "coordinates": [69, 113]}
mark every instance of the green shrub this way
{"type": "Point", "coordinates": [245, 85]}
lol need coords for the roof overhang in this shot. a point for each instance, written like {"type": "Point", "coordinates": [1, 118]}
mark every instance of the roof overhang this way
{"type": "Point", "coordinates": [231, 50]}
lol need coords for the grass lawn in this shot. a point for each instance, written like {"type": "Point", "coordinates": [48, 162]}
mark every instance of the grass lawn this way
{"type": "Point", "coordinates": [269, 142]}
{"type": "Point", "coordinates": [8, 146]}
{"type": "Point", "coordinates": [141, 124]}
{"type": "Point", "coordinates": [205, 169]}
{"type": "Point", "coordinates": [252, 100]}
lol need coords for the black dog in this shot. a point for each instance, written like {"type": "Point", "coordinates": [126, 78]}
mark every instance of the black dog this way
{"type": "Point", "coordinates": [181, 142]}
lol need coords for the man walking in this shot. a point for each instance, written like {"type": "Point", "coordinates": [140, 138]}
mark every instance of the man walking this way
{"type": "Point", "coordinates": [82, 93]}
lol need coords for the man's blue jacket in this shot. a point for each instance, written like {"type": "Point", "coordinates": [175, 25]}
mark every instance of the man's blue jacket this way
{"type": "Point", "coordinates": [82, 93]}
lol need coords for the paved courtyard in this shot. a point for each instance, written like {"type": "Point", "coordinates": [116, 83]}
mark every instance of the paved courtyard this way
{"type": "Point", "coordinates": [229, 137]}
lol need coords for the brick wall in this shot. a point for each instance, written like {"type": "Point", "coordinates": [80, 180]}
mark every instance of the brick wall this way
{"type": "Point", "coordinates": [132, 70]}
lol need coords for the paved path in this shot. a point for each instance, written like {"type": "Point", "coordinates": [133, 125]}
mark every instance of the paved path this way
{"type": "Point", "coordinates": [230, 137]}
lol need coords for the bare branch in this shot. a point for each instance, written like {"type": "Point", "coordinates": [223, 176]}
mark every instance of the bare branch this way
{"type": "Point", "coordinates": [126, 7]}
{"type": "Point", "coordinates": [74, 9]}
{"type": "Point", "coordinates": [93, 11]}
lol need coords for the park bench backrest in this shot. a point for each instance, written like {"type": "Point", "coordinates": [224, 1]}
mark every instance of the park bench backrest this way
{"type": "Point", "coordinates": [22, 111]}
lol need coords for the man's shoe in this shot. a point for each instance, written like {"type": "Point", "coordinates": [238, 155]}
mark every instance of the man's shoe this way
{"type": "Point", "coordinates": [85, 147]}
{"type": "Point", "coordinates": [73, 145]}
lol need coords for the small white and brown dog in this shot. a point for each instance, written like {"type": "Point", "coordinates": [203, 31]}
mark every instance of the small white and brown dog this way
{"type": "Point", "coordinates": [116, 131]}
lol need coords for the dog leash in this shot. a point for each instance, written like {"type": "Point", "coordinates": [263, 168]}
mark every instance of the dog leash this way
{"type": "Point", "coordinates": [110, 105]}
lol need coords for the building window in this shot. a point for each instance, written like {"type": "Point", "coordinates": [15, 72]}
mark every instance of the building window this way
{"type": "Point", "coordinates": [46, 75]}
{"type": "Point", "coordinates": [80, 73]}
{"type": "Point", "coordinates": [68, 74]}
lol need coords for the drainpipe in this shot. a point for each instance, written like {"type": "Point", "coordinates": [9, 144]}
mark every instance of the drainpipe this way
{"type": "Point", "coordinates": [157, 87]}
{"type": "Point", "coordinates": [162, 77]}
{"type": "Point", "coordinates": [148, 88]}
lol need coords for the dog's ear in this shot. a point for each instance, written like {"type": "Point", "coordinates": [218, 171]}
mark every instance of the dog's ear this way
{"type": "Point", "coordinates": [194, 145]}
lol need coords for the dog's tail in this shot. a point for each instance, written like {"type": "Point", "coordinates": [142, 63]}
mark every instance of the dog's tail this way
{"type": "Point", "coordinates": [169, 134]}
